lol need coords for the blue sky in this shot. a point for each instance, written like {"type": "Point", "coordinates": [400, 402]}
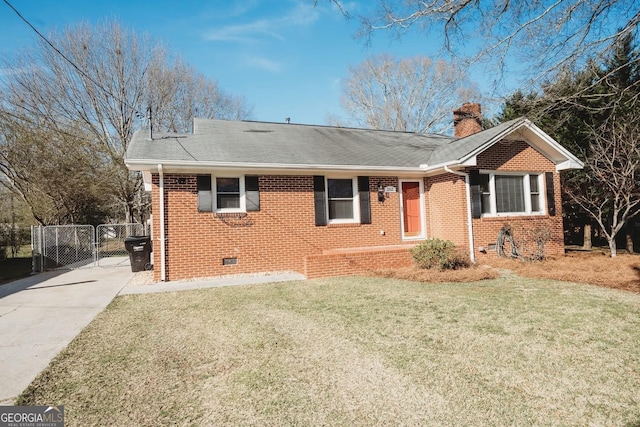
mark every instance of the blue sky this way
{"type": "Point", "coordinates": [285, 57]}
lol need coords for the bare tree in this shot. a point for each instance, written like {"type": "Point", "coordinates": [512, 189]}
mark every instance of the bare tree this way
{"type": "Point", "coordinates": [96, 83]}
{"type": "Point", "coordinates": [179, 93]}
{"type": "Point", "coordinates": [610, 189]}
{"type": "Point", "coordinates": [412, 94]}
{"type": "Point", "coordinates": [546, 35]}
{"type": "Point", "coordinates": [59, 175]}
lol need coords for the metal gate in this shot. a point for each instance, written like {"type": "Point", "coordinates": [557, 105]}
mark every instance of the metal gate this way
{"type": "Point", "coordinates": [110, 240]}
{"type": "Point", "coordinates": [69, 246]}
{"type": "Point", "coordinates": [77, 246]}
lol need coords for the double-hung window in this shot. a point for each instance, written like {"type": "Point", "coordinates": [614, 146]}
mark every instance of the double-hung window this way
{"type": "Point", "coordinates": [511, 193]}
{"type": "Point", "coordinates": [342, 200]}
{"type": "Point", "coordinates": [228, 194]}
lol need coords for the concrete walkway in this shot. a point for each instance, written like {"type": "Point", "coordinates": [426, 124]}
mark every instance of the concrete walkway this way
{"type": "Point", "coordinates": [213, 282]}
{"type": "Point", "coordinates": [41, 314]}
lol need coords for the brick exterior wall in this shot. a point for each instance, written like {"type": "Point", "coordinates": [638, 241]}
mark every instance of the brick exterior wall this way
{"type": "Point", "coordinates": [519, 157]}
{"type": "Point", "coordinates": [467, 120]}
{"type": "Point", "coordinates": [355, 263]}
{"type": "Point", "coordinates": [276, 238]}
{"type": "Point", "coordinates": [446, 200]}
{"type": "Point", "coordinates": [283, 235]}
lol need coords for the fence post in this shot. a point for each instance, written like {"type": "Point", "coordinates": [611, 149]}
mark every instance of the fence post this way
{"type": "Point", "coordinates": [37, 257]}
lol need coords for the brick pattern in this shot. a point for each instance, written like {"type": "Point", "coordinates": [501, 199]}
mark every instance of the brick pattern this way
{"type": "Point", "coordinates": [447, 208]}
{"type": "Point", "coordinates": [518, 156]}
{"type": "Point", "coordinates": [283, 236]}
{"type": "Point", "coordinates": [355, 263]}
{"type": "Point", "coordinates": [467, 120]}
{"type": "Point", "coordinates": [276, 238]}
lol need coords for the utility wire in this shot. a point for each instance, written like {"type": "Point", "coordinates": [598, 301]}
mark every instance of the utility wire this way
{"type": "Point", "coordinates": [82, 72]}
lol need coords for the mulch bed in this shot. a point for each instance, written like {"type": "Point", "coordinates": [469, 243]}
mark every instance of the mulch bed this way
{"type": "Point", "coordinates": [591, 267]}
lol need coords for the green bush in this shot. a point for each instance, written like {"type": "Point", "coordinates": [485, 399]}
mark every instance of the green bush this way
{"type": "Point", "coordinates": [437, 253]}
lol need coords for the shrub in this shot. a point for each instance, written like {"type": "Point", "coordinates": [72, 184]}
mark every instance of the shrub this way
{"type": "Point", "coordinates": [437, 253]}
{"type": "Point", "coordinates": [527, 243]}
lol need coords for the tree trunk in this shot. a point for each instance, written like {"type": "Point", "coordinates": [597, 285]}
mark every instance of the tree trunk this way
{"type": "Point", "coordinates": [586, 242]}
{"type": "Point", "coordinates": [630, 227]}
{"type": "Point", "coordinates": [612, 246]}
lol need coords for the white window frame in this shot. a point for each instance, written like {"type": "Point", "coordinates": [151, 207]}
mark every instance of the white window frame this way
{"type": "Point", "coordinates": [527, 194]}
{"type": "Point", "coordinates": [214, 188]}
{"type": "Point", "coordinates": [355, 198]}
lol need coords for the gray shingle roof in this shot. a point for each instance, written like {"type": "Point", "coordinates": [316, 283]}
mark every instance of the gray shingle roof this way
{"type": "Point", "coordinates": [220, 141]}
{"type": "Point", "coordinates": [244, 143]}
{"type": "Point", "coordinates": [457, 149]}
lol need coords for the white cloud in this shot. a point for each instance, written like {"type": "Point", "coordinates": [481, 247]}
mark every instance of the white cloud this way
{"type": "Point", "coordinates": [244, 32]}
{"type": "Point", "coordinates": [303, 14]}
{"type": "Point", "coordinates": [263, 63]}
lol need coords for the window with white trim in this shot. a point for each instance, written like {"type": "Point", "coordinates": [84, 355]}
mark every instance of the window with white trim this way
{"type": "Point", "coordinates": [511, 194]}
{"type": "Point", "coordinates": [342, 200]}
{"type": "Point", "coordinates": [227, 194]}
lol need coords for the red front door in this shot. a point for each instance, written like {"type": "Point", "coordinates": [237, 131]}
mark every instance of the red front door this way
{"type": "Point", "coordinates": [411, 212]}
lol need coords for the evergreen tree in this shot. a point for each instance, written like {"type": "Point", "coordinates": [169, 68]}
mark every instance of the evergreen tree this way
{"type": "Point", "coordinates": [571, 109]}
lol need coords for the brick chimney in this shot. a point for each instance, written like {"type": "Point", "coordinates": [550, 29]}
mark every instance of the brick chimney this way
{"type": "Point", "coordinates": [467, 120]}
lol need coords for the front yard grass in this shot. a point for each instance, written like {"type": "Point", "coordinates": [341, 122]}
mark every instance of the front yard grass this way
{"type": "Point", "coordinates": [356, 351]}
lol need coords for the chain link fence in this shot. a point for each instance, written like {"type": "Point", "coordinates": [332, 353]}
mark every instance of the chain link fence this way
{"type": "Point", "coordinates": [110, 239]}
{"type": "Point", "coordinates": [68, 246]}
{"type": "Point", "coordinates": [77, 246]}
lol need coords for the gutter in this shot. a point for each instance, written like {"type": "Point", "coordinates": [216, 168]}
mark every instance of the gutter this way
{"type": "Point", "coordinates": [163, 269]}
{"type": "Point", "coordinates": [150, 164]}
{"type": "Point", "coordinates": [472, 256]}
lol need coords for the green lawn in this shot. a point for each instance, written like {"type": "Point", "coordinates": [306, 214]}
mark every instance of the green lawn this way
{"type": "Point", "coordinates": [356, 351]}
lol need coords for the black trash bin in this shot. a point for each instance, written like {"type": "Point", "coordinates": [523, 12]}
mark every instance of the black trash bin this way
{"type": "Point", "coordinates": [139, 248]}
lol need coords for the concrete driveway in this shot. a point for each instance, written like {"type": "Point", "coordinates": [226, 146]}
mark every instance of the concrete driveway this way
{"type": "Point", "coordinates": [41, 314]}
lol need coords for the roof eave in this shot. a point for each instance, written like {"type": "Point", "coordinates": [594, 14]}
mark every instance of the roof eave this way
{"type": "Point", "coordinates": [469, 159]}
{"type": "Point", "coordinates": [564, 161]}
{"type": "Point", "coordinates": [454, 164]}
{"type": "Point", "coordinates": [569, 162]}
{"type": "Point", "coordinates": [190, 166]}
{"type": "Point", "coordinates": [569, 165]}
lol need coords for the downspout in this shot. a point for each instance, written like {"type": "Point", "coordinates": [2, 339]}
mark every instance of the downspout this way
{"type": "Point", "coordinates": [472, 256]}
{"type": "Point", "coordinates": [163, 270]}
